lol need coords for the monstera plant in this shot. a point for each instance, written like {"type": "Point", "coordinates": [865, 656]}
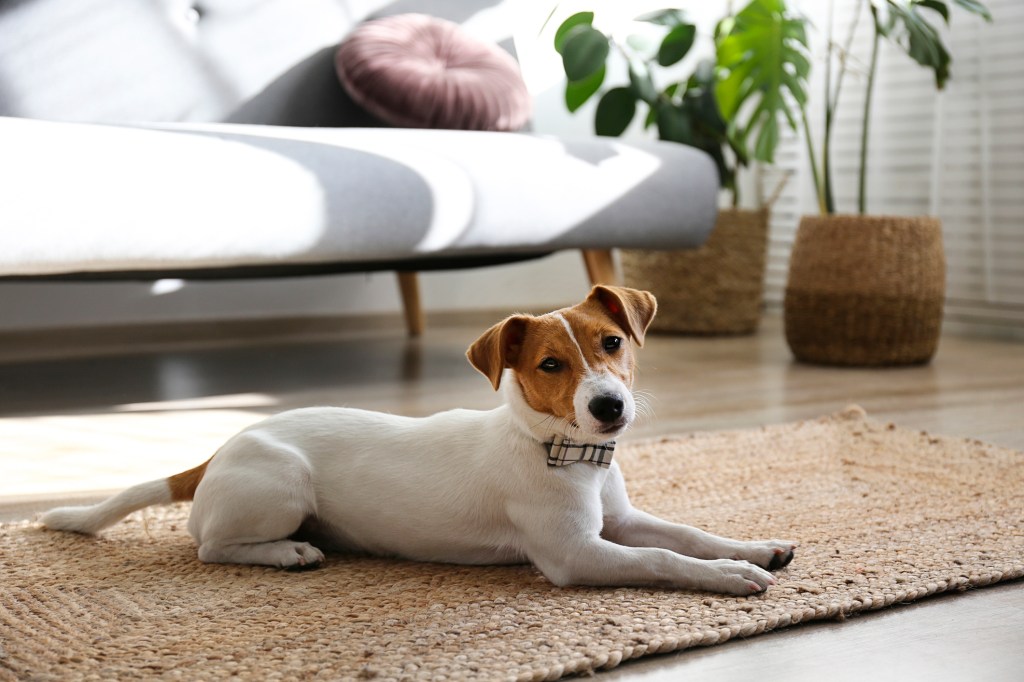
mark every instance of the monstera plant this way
{"type": "Point", "coordinates": [718, 288]}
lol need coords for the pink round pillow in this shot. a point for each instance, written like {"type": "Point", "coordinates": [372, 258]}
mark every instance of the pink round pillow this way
{"type": "Point", "coordinates": [417, 71]}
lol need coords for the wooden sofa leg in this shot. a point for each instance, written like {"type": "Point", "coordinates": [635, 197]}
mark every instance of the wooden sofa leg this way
{"type": "Point", "coordinates": [600, 266]}
{"type": "Point", "coordinates": [409, 285]}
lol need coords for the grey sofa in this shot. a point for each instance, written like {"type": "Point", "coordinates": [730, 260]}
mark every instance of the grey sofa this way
{"type": "Point", "coordinates": [143, 139]}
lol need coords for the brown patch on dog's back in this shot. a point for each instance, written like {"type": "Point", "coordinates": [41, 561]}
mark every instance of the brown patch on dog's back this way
{"type": "Point", "coordinates": [183, 486]}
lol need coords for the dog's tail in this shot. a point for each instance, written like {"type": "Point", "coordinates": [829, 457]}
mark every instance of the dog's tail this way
{"type": "Point", "coordinates": [94, 518]}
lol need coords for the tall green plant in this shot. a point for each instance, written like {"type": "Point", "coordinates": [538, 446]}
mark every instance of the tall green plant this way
{"type": "Point", "coordinates": [905, 24]}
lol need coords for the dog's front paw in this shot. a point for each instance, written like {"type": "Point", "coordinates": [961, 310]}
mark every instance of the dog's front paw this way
{"type": "Point", "coordinates": [736, 577]}
{"type": "Point", "coordinates": [300, 556]}
{"type": "Point", "coordinates": [768, 554]}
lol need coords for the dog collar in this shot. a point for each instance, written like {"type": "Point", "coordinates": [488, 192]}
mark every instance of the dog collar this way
{"type": "Point", "coordinates": [563, 452]}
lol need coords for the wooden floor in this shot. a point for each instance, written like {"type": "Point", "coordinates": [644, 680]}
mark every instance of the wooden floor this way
{"type": "Point", "coordinates": [72, 427]}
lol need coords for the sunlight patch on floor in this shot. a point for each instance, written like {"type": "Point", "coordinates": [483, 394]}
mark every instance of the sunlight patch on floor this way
{"type": "Point", "coordinates": [239, 401]}
{"type": "Point", "coordinates": [87, 452]}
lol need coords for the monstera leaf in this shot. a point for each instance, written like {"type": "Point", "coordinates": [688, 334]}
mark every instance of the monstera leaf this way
{"type": "Point", "coordinates": [762, 57]}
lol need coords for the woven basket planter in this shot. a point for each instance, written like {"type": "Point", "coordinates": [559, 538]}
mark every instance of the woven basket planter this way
{"type": "Point", "coordinates": [865, 290]}
{"type": "Point", "coordinates": [715, 289]}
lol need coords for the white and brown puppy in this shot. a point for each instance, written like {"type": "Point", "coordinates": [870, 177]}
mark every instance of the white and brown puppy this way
{"type": "Point", "coordinates": [531, 480]}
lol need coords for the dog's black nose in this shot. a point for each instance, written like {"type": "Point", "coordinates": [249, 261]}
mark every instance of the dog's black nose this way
{"type": "Point", "coordinates": [606, 408]}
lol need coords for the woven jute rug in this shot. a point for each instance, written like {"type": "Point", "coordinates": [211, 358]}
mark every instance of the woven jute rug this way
{"type": "Point", "coordinates": [884, 516]}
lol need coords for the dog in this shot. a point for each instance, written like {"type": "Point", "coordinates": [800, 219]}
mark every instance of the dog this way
{"type": "Point", "coordinates": [530, 481]}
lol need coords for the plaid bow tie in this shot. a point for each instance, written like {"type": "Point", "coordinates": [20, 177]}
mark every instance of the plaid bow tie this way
{"type": "Point", "coordinates": [563, 452]}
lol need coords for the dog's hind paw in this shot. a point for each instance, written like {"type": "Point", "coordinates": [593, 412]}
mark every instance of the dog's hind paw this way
{"type": "Point", "coordinates": [296, 568]}
{"type": "Point", "coordinates": [303, 557]}
{"type": "Point", "coordinates": [280, 553]}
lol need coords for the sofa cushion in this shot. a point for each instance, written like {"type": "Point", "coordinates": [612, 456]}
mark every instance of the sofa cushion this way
{"type": "Point", "coordinates": [417, 71]}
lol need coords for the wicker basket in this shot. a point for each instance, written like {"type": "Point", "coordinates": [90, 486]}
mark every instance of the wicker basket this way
{"type": "Point", "coordinates": [716, 289]}
{"type": "Point", "coordinates": [865, 290]}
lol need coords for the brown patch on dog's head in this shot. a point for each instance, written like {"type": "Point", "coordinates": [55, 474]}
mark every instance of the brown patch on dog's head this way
{"type": "Point", "coordinates": [549, 360]}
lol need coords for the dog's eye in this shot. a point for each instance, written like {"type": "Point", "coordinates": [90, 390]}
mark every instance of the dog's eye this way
{"type": "Point", "coordinates": [612, 343]}
{"type": "Point", "coordinates": [550, 365]}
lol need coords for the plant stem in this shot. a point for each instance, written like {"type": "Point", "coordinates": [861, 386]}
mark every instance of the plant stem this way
{"type": "Point", "coordinates": [819, 188]}
{"type": "Point", "coordinates": [832, 98]}
{"type": "Point", "coordinates": [844, 54]}
{"type": "Point", "coordinates": [862, 194]}
{"type": "Point", "coordinates": [825, 196]}
{"type": "Point", "coordinates": [826, 159]}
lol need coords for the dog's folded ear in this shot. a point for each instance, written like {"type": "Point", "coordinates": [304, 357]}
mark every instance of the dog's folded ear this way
{"type": "Point", "coordinates": [631, 309]}
{"type": "Point", "coordinates": [498, 348]}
